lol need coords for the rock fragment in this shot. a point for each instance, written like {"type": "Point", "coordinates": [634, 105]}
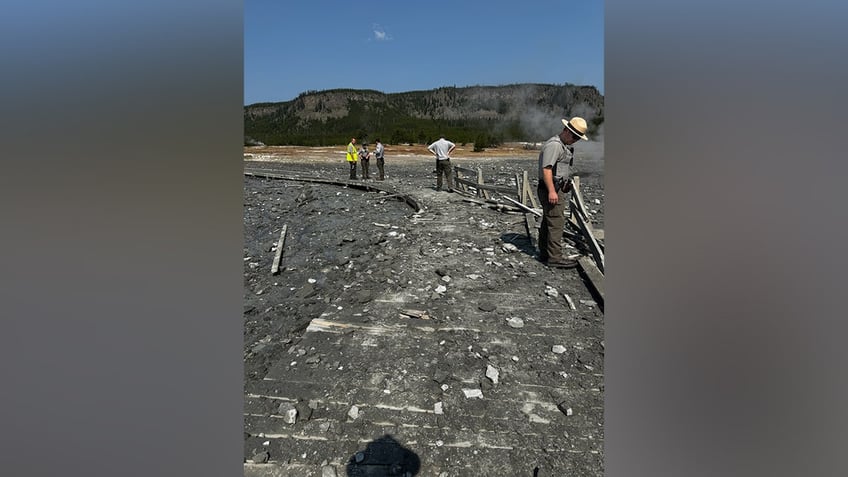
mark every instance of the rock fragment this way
{"type": "Point", "coordinates": [473, 393]}
{"type": "Point", "coordinates": [509, 248]}
{"type": "Point", "coordinates": [515, 322]}
{"type": "Point", "coordinates": [570, 302]}
{"type": "Point", "coordinates": [261, 457]}
{"type": "Point", "coordinates": [353, 413]}
{"type": "Point", "coordinates": [492, 373]}
{"type": "Point", "coordinates": [563, 406]}
{"type": "Point", "coordinates": [288, 411]}
{"type": "Point", "coordinates": [558, 349]}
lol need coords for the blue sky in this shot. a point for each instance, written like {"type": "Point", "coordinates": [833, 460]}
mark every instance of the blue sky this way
{"type": "Point", "coordinates": [394, 46]}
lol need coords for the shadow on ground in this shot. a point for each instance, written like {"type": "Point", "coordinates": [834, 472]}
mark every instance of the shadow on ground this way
{"type": "Point", "coordinates": [521, 241]}
{"type": "Point", "coordinates": [384, 456]}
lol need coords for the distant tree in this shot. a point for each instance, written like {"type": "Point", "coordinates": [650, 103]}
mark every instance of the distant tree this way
{"type": "Point", "coordinates": [480, 143]}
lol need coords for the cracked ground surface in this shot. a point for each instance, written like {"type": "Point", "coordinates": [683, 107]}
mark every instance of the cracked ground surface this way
{"type": "Point", "coordinates": [396, 342]}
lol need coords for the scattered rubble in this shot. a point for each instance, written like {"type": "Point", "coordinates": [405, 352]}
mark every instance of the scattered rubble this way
{"type": "Point", "coordinates": [375, 275]}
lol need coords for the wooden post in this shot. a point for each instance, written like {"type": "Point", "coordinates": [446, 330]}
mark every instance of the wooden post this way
{"type": "Point", "coordinates": [577, 196]}
{"type": "Point", "coordinates": [275, 267]}
{"type": "Point", "coordinates": [519, 189]}
{"type": "Point", "coordinates": [480, 182]}
{"type": "Point", "coordinates": [575, 189]}
{"type": "Point", "coordinates": [530, 193]}
{"type": "Point", "coordinates": [531, 226]}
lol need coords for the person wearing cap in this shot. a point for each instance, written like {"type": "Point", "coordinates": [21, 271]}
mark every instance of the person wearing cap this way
{"type": "Point", "coordinates": [352, 157]}
{"type": "Point", "coordinates": [365, 157]}
{"type": "Point", "coordinates": [554, 160]}
{"type": "Point", "coordinates": [442, 149]}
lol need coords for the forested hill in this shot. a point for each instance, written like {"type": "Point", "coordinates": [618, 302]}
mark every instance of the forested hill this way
{"type": "Point", "coordinates": [475, 114]}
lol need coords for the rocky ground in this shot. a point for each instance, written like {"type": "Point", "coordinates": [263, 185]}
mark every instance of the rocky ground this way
{"type": "Point", "coordinates": [396, 342]}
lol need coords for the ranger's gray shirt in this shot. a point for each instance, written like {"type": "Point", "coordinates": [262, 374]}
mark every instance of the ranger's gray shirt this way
{"type": "Point", "coordinates": [555, 154]}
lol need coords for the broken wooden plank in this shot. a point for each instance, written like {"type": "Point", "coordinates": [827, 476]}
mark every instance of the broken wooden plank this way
{"type": "Point", "coordinates": [593, 274]}
{"type": "Point", "coordinates": [351, 183]}
{"type": "Point", "coordinates": [463, 170]}
{"type": "Point", "coordinates": [571, 235]}
{"type": "Point", "coordinates": [577, 196]}
{"type": "Point", "coordinates": [530, 193]}
{"type": "Point", "coordinates": [486, 187]}
{"type": "Point", "coordinates": [523, 207]}
{"type": "Point", "coordinates": [275, 266]}
{"type": "Point", "coordinates": [420, 314]}
{"type": "Point", "coordinates": [532, 228]}
{"type": "Point", "coordinates": [597, 253]}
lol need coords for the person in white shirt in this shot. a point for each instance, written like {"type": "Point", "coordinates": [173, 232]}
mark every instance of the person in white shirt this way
{"type": "Point", "coordinates": [378, 153]}
{"type": "Point", "coordinates": [442, 149]}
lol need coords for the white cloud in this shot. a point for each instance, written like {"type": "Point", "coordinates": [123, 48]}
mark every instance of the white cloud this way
{"type": "Point", "coordinates": [380, 34]}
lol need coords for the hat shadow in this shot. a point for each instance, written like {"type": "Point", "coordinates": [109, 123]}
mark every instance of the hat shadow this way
{"type": "Point", "coordinates": [384, 456]}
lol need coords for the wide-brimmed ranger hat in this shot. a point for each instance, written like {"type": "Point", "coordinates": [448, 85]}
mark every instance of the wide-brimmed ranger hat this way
{"type": "Point", "coordinates": [577, 125]}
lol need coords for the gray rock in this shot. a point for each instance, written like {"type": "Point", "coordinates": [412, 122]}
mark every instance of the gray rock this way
{"type": "Point", "coordinates": [487, 307]}
{"type": "Point", "coordinates": [303, 410]}
{"type": "Point", "coordinates": [289, 412]}
{"type": "Point", "coordinates": [515, 323]}
{"type": "Point", "coordinates": [509, 248]}
{"type": "Point", "coordinates": [328, 471]}
{"type": "Point", "coordinates": [563, 406]}
{"type": "Point", "coordinates": [438, 408]}
{"type": "Point", "coordinates": [261, 457]}
{"type": "Point", "coordinates": [558, 349]}
{"type": "Point", "coordinates": [440, 376]}
{"type": "Point", "coordinates": [473, 393]}
{"type": "Point", "coordinates": [537, 419]}
{"type": "Point", "coordinates": [353, 413]}
{"type": "Point", "coordinates": [492, 373]}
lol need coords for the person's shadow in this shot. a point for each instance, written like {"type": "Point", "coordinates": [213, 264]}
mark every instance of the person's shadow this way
{"type": "Point", "coordinates": [384, 456]}
{"type": "Point", "coordinates": [521, 241]}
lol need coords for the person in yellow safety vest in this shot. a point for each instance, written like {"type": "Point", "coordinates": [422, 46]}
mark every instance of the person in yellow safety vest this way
{"type": "Point", "coordinates": [352, 157]}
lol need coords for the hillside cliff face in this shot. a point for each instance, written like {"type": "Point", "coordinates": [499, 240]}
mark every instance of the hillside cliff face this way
{"type": "Point", "coordinates": [513, 112]}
